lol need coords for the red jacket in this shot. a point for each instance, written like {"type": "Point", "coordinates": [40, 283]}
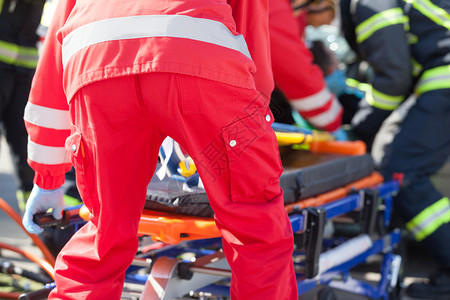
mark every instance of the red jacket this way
{"type": "Point", "coordinates": [90, 41]}
{"type": "Point", "coordinates": [301, 81]}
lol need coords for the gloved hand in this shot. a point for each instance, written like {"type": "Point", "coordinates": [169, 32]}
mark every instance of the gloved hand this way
{"type": "Point", "coordinates": [340, 135]}
{"type": "Point", "coordinates": [336, 82]}
{"type": "Point", "coordinates": [350, 90]}
{"type": "Point", "coordinates": [41, 200]}
{"type": "Point", "coordinates": [367, 121]}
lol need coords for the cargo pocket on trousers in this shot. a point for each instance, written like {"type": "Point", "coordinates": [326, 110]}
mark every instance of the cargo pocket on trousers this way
{"type": "Point", "coordinates": [74, 145]}
{"type": "Point", "coordinates": [253, 158]}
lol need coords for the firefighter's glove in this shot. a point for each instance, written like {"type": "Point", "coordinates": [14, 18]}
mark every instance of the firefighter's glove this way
{"type": "Point", "coordinates": [354, 91]}
{"type": "Point", "coordinates": [336, 82]}
{"type": "Point", "coordinates": [340, 135]}
{"type": "Point", "coordinates": [41, 200]}
{"type": "Point", "coordinates": [367, 121]}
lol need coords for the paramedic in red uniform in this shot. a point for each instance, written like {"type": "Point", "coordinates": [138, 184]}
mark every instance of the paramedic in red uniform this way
{"type": "Point", "coordinates": [300, 80]}
{"type": "Point", "coordinates": [113, 81]}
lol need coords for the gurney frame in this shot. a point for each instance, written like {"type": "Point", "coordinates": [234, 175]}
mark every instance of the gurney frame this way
{"type": "Point", "coordinates": [319, 260]}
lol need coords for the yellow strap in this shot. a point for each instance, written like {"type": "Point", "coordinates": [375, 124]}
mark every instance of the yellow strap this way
{"type": "Point", "coordinates": [293, 138]}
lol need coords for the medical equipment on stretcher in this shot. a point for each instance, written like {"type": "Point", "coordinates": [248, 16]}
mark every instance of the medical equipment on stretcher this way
{"type": "Point", "coordinates": [184, 256]}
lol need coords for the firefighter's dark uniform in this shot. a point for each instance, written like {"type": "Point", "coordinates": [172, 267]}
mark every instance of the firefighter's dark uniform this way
{"type": "Point", "coordinates": [407, 43]}
{"type": "Point", "coordinates": [18, 58]}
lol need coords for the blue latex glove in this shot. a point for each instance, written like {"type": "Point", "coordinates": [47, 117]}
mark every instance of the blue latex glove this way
{"type": "Point", "coordinates": [354, 91]}
{"type": "Point", "coordinates": [336, 82]}
{"type": "Point", "coordinates": [41, 200]}
{"type": "Point", "coordinates": [340, 135]}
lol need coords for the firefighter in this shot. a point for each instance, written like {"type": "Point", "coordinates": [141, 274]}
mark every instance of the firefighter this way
{"type": "Point", "coordinates": [297, 78]}
{"type": "Point", "coordinates": [406, 44]}
{"type": "Point", "coordinates": [112, 82]}
{"type": "Point", "coordinates": [18, 58]}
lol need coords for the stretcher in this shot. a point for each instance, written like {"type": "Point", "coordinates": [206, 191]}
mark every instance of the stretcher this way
{"type": "Point", "coordinates": [339, 208]}
{"type": "Point", "coordinates": [320, 189]}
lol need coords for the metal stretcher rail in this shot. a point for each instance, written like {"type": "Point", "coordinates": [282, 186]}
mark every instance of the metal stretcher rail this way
{"type": "Point", "coordinates": [170, 277]}
{"type": "Point", "coordinates": [185, 255]}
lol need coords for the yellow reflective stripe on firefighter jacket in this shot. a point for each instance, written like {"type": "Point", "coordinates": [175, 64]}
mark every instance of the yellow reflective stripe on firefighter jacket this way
{"type": "Point", "coordinates": [430, 219]}
{"type": "Point", "coordinates": [20, 56]}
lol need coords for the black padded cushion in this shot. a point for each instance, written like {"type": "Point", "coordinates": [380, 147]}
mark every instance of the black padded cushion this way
{"type": "Point", "coordinates": [309, 174]}
{"type": "Point", "coordinates": [305, 175]}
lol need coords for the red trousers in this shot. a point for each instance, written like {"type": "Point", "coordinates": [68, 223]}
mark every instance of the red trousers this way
{"type": "Point", "coordinates": [118, 127]}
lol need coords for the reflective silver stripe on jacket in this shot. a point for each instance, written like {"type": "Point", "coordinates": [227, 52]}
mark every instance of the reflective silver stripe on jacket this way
{"type": "Point", "coordinates": [47, 155]}
{"type": "Point", "coordinates": [312, 102]}
{"type": "Point", "coordinates": [325, 118]}
{"type": "Point", "coordinates": [47, 117]}
{"type": "Point", "coordinates": [178, 26]}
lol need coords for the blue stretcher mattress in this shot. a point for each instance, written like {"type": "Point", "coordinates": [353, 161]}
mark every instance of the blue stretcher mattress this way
{"type": "Point", "coordinates": [305, 175]}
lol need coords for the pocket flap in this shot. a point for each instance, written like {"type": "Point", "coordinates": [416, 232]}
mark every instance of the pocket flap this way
{"type": "Point", "coordinates": [242, 133]}
{"type": "Point", "coordinates": [73, 142]}
{"type": "Point", "coordinates": [253, 159]}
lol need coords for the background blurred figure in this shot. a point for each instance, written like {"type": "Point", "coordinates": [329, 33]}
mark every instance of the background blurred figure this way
{"type": "Point", "coordinates": [19, 20]}
{"type": "Point", "coordinates": [407, 44]}
{"type": "Point", "coordinates": [323, 57]}
{"type": "Point", "coordinates": [297, 78]}
{"type": "Point", "coordinates": [318, 12]}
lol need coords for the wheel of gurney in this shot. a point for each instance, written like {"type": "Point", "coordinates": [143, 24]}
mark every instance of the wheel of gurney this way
{"type": "Point", "coordinates": [325, 293]}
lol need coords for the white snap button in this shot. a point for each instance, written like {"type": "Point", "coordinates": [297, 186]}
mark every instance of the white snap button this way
{"type": "Point", "coordinates": [233, 143]}
{"type": "Point", "coordinates": [268, 118]}
{"type": "Point", "coordinates": [74, 148]}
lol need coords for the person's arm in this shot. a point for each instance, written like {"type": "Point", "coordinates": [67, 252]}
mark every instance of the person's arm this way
{"type": "Point", "coordinates": [47, 121]}
{"type": "Point", "coordinates": [300, 80]}
{"type": "Point", "coordinates": [47, 113]}
{"type": "Point", "coordinates": [251, 17]}
{"type": "Point", "coordinates": [382, 41]}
